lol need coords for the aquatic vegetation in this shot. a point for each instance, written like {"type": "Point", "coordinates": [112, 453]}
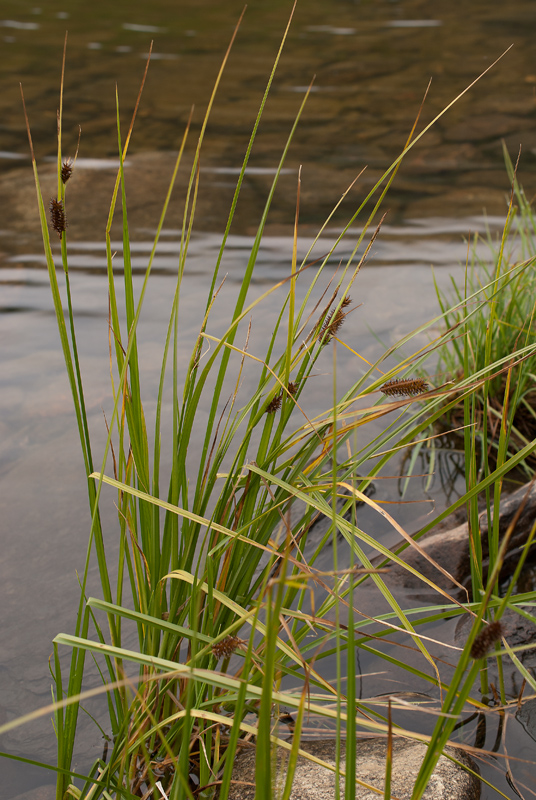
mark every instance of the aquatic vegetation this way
{"type": "Point", "coordinates": [492, 328]}
{"type": "Point", "coordinates": [218, 610]}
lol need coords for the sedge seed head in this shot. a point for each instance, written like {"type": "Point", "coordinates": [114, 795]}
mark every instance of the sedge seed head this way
{"type": "Point", "coordinates": [405, 386]}
{"type": "Point", "coordinates": [292, 388]}
{"type": "Point", "coordinates": [334, 321]}
{"type": "Point", "coordinates": [486, 639]}
{"type": "Point", "coordinates": [57, 216]}
{"type": "Point", "coordinates": [67, 169]}
{"type": "Point", "coordinates": [226, 647]}
{"type": "Point", "coordinates": [332, 325]}
{"type": "Point", "coordinates": [274, 404]}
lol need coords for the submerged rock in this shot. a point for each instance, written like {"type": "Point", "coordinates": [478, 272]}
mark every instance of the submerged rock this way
{"type": "Point", "coordinates": [314, 782]}
{"type": "Point", "coordinates": [526, 715]}
{"type": "Point", "coordinates": [45, 792]}
{"type": "Point", "coordinates": [450, 549]}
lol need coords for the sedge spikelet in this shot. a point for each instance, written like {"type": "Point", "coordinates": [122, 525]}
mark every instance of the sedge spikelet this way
{"type": "Point", "coordinates": [67, 169]}
{"type": "Point", "coordinates": [292, 388]}
{"type": "Point", "coordinates": [405, 386]}
{"type": "Point", "coordinates": [274, 404]}
{"type": "Point", "coordinates": [332, 325]}
{"type": "Point", "coordinates": [226, 647]}
{"type": "Point", "coordinates": [333, 321]}
{"type": "Point", "coordinates": [57, 216]}
{"type": "Point", "coordinates": [486, 639]}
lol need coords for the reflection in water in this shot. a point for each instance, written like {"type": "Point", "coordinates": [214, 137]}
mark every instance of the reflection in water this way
{"type": "Point", "coordinates": [21, 26]}
{"type": "Point", "coordinates": [414, 23]}
{"type": "Point", "coordinates": [439, 462]}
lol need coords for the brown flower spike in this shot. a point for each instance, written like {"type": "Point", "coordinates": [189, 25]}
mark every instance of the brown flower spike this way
{"type": "Point", "coordinates": [333, 322]}
{"type": "Point", "coordinates": [274, 404]}
{"type": "Point", "coordinates": [226, 647]}
{"type": "Point", "coordinates": [486, 639]}
{"type": "Point", "coordinates": [57, 216]}
{"type": "Point", "coordinates": [292, 388]}
{"type": "Point", "coordinates": [67, 169]}
{"type": "Point", "coordinates": [405, 386]}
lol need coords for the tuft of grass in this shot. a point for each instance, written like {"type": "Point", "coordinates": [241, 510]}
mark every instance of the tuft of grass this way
{"type": "Point", "coordinates": [491, 329]}
{"type": "Point", "coordinates": [217, 576]}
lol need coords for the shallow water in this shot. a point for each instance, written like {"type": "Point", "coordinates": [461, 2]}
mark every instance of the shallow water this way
{"type": "Point", "coordinates": [372, 61]}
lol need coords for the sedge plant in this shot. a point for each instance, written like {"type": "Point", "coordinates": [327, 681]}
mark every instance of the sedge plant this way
{"type": "Point", "coordinates": [504, 322]}
{"type": "Point", "coordinates": [217, 571]}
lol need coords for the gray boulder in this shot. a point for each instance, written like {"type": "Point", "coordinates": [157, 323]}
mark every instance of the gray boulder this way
{"type": "Point", "coordinates": [313, 782]}
{"type": "Point", "coordinates": [450, 548]}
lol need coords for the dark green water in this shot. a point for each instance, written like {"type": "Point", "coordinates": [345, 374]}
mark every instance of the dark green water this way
{"type": "Point", "coordinates": [372, 62]}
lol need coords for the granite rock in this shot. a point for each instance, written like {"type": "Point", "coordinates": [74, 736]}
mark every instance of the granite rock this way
{"type": "Point", "coordinates": [314, 782]}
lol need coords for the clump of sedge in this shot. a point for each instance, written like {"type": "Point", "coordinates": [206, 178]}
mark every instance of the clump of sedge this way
{"type": "Point", "coordinates": [57, 216]}
{"type": "Point", "coordinates": [405, 386]}
{"type": "Point", "coordinates": [67, 169]}
{"type": "Point", "coordinates": [226, 647]}
{"type": "Point", "coordinates": [486, 639]}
